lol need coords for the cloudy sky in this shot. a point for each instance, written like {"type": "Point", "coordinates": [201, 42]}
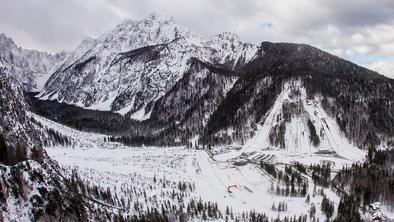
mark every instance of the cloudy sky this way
{"type": "Point", "coordinates": [359, 30]}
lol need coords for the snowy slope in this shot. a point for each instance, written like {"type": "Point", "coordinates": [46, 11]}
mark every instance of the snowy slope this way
{"type": "Point", "coordinates": [136, 63]}
{"type": "Point", "coordinates": [284, 135]}
{"type": "Point", "coordinates": [32, 68]}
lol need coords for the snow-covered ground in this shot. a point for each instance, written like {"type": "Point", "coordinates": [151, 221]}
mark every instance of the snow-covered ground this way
{"type": "Point", "coordinates": [138, 83]}
{"type": "Point", "coordinates": [116, 166]}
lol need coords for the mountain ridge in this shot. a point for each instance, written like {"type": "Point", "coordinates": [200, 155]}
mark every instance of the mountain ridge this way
{"type": "Point", "coordinates": [131, 86]}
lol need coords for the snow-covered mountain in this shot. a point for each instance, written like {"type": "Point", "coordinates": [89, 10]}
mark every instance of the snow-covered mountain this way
{"type": "Point", "coordinates": [32, 68]}
{"type": "Point", "coordinates": [217, 105]}
{"type": "Point", "coordinates": [129, 68]}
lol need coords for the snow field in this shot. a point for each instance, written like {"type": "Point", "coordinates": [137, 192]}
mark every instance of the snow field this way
{"type": "Point", "coordinates": [123, 168]}
{"type": "Point", "coordinates": [333, 146]}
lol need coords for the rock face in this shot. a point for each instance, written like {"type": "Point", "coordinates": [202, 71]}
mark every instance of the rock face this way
{"type": "Point", "coordinates": [30, 67]}
{"type": "Point", "coordinates": [131, 67]}
{"type": "Point", "coordinates": [332, 104]}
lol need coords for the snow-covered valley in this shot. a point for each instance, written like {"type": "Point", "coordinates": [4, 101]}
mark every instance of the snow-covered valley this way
{"type": "Point", "coordinates": [296, 144]}
{"type": "Point", "coordinates": [207, 175]}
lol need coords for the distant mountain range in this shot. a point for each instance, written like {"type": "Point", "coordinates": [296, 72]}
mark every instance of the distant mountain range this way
{"type": "Point", "coordinates": [132, 66]}
{"type": "Point", "coordinates": [32, 68]}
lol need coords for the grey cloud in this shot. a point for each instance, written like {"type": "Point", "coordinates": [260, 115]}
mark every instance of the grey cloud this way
{"type": "Point", "coordinates": [54, 25]}
{"type": "Point", "coordinates": [336, 25]}
{"type": "Point", "coordinates": [361, 13]}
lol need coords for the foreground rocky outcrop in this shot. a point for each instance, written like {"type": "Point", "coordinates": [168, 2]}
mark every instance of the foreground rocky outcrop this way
{"type": "Point", "coordinates": [32, 187]}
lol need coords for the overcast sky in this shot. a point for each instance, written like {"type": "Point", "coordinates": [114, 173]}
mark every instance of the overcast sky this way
{"type": "Point", "coordinates": [359, 30]}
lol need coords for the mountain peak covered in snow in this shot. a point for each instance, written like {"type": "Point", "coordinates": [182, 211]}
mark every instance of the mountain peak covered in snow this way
{"type": "Point", "coordinates": [228, 36]}
{"type": "Point", "coordinates": [159, 17]}
{"type": "Point", "coordinates": [129, 68]}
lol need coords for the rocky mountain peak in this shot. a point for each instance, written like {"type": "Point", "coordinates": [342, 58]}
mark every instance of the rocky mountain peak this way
{"type": "Point", "coordinates": [152, 30]}
{"type": "Point", "coordinates": [132, 66]}
{"type": "Point", "coordinates": [30, 67]}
